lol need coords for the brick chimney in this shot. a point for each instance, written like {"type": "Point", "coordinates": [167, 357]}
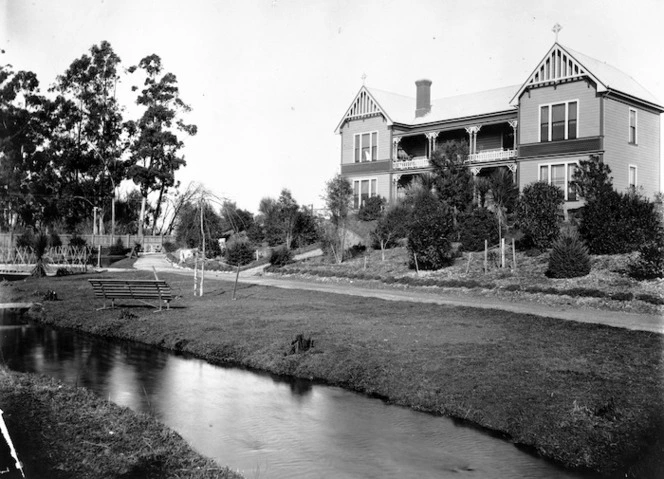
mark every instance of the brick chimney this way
{"type": "Point", "coordinates": [422, 98]}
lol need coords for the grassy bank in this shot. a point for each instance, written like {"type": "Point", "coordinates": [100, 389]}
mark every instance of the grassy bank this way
{"type": "Point", "coordinates": [65, 432]}
{"type": "Point", "coordinates": [585, 395]}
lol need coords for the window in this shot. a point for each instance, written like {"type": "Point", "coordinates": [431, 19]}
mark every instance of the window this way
{"type": "Point", "coordinates": [632, 177]}
{"type": "Point", "coordinates": [366, 147]}
{"type": "Point", "coordinates": [362, 191]}
{"type": "Point", "coordinates": [632, 126]}
{"type": "Point", "coordinates": [560, 175]}
{"type": "Point", "coordinates": [559, 121]}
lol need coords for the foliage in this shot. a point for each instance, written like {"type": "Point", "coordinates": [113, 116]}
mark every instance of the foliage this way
{"type": "Point", "coordinates": [26, 240]}
{"type": "Point", "coordinates": [430, 229]}
{"type": "Point", "coordinates": [482, 187]}
{"type": "Point", "coordinates": [155, 150]}
{"type": "Point", "coordinates": [54, 240]}
{"type": "Point", "coordinates": [240, 252]}
{"type": "Point", "coordinates": [76, 241]}
{"type": "Point", "coordinates": [169, 247]}
{"type": "Point", "coordinates": [39, 247]}
{"type": "Point", "coordinates": [188, 230]}
{"type": "Point", "coordinates": [477, 226]}
{"type": "Point", "coordinates": [392, 227]}
{"type": "Point", "coordinates": [338, 197]}
{"type": "Point", "coordinates": [613, 222]}
{"type": "Point", "coordinates": [504, 194]}
{"type": "Point", "coordinates": [569, 257]}
{"type": "Point", "coordinates": [234, 218]}
{"type": "Point", "coordinates": [306, 230]}
{"type": "Point", "coordinates": [454, 181]}
{"type": "Point", "coordinates": [372, 209]}
{"type": "Point", "coordinates": [118, 248]}
{"type": "Point", "coordinates": [538, 210]}
{"type": "Point", "coordinates": [591, 178]}
{"type": "Point", "coordinates": [281, 256]}
{"type": "Point", "coordinates": [650, 262]}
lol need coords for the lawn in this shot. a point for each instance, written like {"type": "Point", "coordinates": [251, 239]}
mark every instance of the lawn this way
{"type": "Point", "coordinates": [585, 395]}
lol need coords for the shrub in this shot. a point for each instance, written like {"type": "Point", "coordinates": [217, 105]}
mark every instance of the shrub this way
{"type": "Point", "coordinates": [569, 257]}
{"type": "Point", "coordinates": [650, 262]}
{"type": "Point", "coordinates": [26, 240]}
{"type": "Point", "coordinates": [77, 242]}
{"type": "Point", "coordinates": [54, 240]}
{"type": "Point", "coordinates": [118, 248]}
{"type": "Point", "coordinates": [616, 223]}
{"type": "Point", "coordinates": [391, 227]}
{"type": "Point", "coordinates": [240, 253]}
{"type": "Point", "coordinates": [479, 225]}
{"type": "Point", "coordinates": [537, 213]}
{"type": "Point", "coordinates": [372, 209]}
{"type": "Point", "coordinates": [355, 250]}
{"type": "Point", "coordinates": [428, 238]}
{"type": "Point", "coordinates": [169, 247]}
{"type": "Point", "coordinates": [281, 256]}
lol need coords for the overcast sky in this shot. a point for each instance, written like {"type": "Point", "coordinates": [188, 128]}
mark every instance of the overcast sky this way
{"type": "Point", "coordinates": [268, 80]}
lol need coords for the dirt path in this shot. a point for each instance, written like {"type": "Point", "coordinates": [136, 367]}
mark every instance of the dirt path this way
{"type": "Point", "coordinates": [620, 319]}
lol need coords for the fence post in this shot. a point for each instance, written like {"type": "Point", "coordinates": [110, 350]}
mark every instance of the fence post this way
{"type": "Point", "coordinates": [502, 252]}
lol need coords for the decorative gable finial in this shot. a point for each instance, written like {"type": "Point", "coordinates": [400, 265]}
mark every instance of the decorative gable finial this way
{"type": "Point", "coordinates": [556, 29]}
{"type": "Point", "coordinates": [364, 78]}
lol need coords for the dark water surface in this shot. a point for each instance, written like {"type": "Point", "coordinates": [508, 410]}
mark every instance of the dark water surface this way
{"type": "Point", "coordinates": [266, 426]}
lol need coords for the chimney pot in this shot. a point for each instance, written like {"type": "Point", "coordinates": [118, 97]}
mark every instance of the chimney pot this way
{"type": "Point", "coordinates": [423, 97]}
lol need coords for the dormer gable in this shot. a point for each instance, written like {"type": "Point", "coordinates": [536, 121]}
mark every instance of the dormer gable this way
{"type": "Point", "coordinates": [557, 66]}
{"type": "Point", "coordinates": [363, 106]}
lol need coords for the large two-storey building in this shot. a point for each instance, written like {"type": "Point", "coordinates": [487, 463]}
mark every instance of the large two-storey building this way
{"type": "Point", "coordinates": [571, 107]}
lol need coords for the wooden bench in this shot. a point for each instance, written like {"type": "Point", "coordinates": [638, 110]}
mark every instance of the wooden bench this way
{"type": "Point", "coordinates": [138, 289]}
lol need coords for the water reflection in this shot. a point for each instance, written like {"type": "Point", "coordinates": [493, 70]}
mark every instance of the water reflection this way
{"type": "Point", "coordinates": [263, 425]}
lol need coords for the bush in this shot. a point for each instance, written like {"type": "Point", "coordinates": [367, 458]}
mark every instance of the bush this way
{"type": "Point", "coordinates": [428, 238]}
{"type": "Point", "coordinates": [569, 257]}
{"type": "Point", "coordinates": [54, 240]}
{"type": "Point", "coordinates": [26, 240]}
{"type": "Point", "coordinates": [537, 213]}
{"type": "Point", "coordinates": [240, 253]}
{"type": "Point", "coordinates": [77, 242]}
{"type": "Point", "coordinates": [281, 256]}
{"type": "Point", "coordinates": [169, 247]}
{"type": "Point", "coordinates": [391, 227]}
{"type": "Point", "coordinates": [118, 248]}
{"type": "Point", "coordinates": [372, 209]}
{"type": "Point", "coordinates": [479, 225]}
{"type": "Point", "coordinates": [355, 250]}
{"type": "Point", "coordinates": [650, 262]}
{"type": "Point", "coordinates": [617, 223]}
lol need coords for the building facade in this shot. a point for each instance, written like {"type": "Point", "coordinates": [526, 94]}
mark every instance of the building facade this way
{"type": "Point", "coordinates": [572, 107]}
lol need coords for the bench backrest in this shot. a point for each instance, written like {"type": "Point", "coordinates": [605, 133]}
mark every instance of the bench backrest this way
{"type": "Point", "coordinates": [138, 288]}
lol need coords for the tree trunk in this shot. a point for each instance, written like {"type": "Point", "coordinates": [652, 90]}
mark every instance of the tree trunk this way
{"type": "Point", "coordinates": [141, 218]}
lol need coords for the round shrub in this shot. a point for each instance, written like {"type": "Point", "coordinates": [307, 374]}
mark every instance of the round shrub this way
{"type": "Point", "coordinates": [371, 209]}
{"type": "Point", "coordinates": [26, 240]}
{"type": "Point", "coordinates": [169, 246]}
{"type": "Point", "coordinates": [650, 262]}
{"type": "Point", "coordinates": [118, 248]}
{"type": "Point", "coordinates": [77, 242]}
{"type": "Point", "coordinates": [240, 253]}
{"type": "Point", "coordinates": [537, 212]}
{"type": "Point", "coordinates": [281, 256]}
{"type": "Point", "coordinates": [479, 225]}
{"type": "Point", "coordinates": [428, 239]}
{"type": "Point", "coordinates": [616, 223]}
{"type": "Point", "coordinates": [569, 258]}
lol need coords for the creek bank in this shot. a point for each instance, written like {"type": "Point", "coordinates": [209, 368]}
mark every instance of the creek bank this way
{"type": "Point", "coordinates": [586, 396]}
{"type": "Point", "coordinates": [61, 431]}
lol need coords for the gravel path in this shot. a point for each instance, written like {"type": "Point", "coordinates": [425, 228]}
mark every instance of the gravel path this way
{"type": "Point", "coordinates": [620, 319]}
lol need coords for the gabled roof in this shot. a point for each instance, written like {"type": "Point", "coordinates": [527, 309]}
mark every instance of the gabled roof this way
{"type": "Point", "coordinates": [363, 106]}
{"type": "Point", "coordinates": [562, 64]}
{"type": "Point", "coordinates": [401, 108]}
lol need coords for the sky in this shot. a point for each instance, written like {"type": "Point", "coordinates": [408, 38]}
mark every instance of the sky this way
{"type": "Point", "coordinates": [269, 80]}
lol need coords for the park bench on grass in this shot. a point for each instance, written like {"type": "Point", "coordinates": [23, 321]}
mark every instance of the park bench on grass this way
{"type": "Point", "coordinates": [138, 289]}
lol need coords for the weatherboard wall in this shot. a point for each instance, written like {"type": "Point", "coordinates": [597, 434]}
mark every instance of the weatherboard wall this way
{"type": "Point", "coordinates": [620, 154]}
{"type": "Point", "coordinates": [365, 125]}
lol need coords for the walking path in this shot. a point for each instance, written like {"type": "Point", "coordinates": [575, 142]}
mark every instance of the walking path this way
{"type": "Point", "coordinates": [620, 319]}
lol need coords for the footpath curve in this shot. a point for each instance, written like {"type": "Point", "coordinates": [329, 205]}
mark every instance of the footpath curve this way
{"type": "Point", "coordinates": [619, 319]}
